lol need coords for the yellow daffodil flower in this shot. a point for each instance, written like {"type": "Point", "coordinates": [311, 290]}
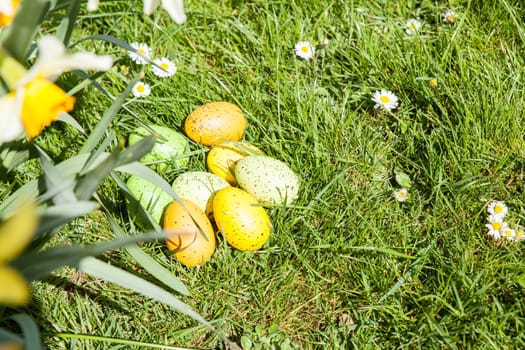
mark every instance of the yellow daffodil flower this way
{"type": "Point", "coordinates": [7, 11]}
{"type": "Point", "coordinates": [174, 8]}
{"type": "Point", "coordinates": [15, 234]}
{"type": "Point", "coordinates": [35, 101]}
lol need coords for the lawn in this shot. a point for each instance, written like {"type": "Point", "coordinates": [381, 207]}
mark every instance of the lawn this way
{"type": "Point", "coordinates": [347, 265]}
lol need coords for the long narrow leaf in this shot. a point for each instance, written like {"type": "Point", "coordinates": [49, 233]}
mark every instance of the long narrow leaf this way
{"type": "Point", "coordinates": [102, 126]}
{"type": "Point", "coordinates": [37, 265]}
{"type": "Point", "coordinates": [54, 178]}
{"type": "Point", "coordinates": [149, 264]}
{"type": "Point", "coordinates": [23, 28]}
{"type": "Point", "coordinates": [109, 273]}
{"type": "Point", "coordinates": [65, 29]}
{"type": "Point", "coordinates": [90, 181]}
{"type": "Point", "coordinates": [29, 330]}
{"type": "Point", "coordinates": [68, 119]}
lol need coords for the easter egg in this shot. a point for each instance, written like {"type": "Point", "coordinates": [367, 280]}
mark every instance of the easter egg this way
{"type": "Point", "coordinates": [267, 179]}
{"type": "Point", "coordinates": [242, 221]}
{"type": "Point", "coordinates": [169, 149]}
{"type": "Point", "coordinates": [221, 159]}
{"type": "Point", "coordinates": [215, 122]}
{"type": "Point", "coordinates": [198, 187]}
{"type": "Point", "coordinates": [150, 197]}
{"type": "Point", "coordinates": [191, 239]}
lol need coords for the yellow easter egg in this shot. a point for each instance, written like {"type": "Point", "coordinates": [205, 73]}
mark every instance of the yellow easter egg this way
{"type": "Point", "coordinates": [242, 221]}
{"type": "Point", "coordinates": [221, 158]}
{"type": "Point", "coordinates": [215, 122]}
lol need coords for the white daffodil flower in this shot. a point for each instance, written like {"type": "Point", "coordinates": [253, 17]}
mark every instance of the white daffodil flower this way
{"type": "Point", "coordinates": [174, 8]}
{"type": "Point", "coordinates": [34, 101]}
{"type": "Point", "coordinates": [6, 7]}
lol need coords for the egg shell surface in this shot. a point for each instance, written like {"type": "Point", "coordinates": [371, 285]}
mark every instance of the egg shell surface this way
{"type": "Point", "coordinates": [239, 217]}
{"type": "Point", "coordinates": [191, 239]}
{"type": "Point", "coordinates": [267, 179]}
{"type": "Point", "coordinates": [151, 197]}
{"type": "Point", "coordinates": [221, 158]}
{"type": "Point", "coordinates": [198, 187]}
{"type": "Point", "coordinates": [169, 149]}
{"type": "Point", "coordinates": [215, 122]}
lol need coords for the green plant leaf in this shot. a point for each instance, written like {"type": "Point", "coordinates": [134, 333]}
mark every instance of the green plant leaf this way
{"type": "Point", "coordinates": [68, 119]}
{"type": "Point", "coordinates": [89, 182]}
{"type": "Point", "coordinates": [36, 265]}
{"type": "Point", "coordinates": [103, 125]}
{"type": "Point", "coordinates": [24, 27]}
{"type": "Point", "coordinates": [149, 264]}
{"type": "Point", "coordinates": [29, 330]}
{"type": "Point", "coordinates": [65, 29]}
{"type": "Point", "coordinates": [109, 273]}
{"type": "Point", "coordinates": [53, 178]}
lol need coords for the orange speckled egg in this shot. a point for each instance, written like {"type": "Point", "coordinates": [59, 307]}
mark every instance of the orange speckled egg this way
{"type": "Point", "coordinates": [221, 158]}
{"type": "Point", "coordinates": [215, 122]}
{"type": "Point", "coordinates": [244, 224]}
{"type": "Point", "coordinates": [191, 238]}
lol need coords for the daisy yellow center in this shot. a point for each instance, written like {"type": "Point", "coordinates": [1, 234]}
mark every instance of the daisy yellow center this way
{"type": "Point", "coordinates": [498, 209]}
{"type": "Point", "coordinates": [305, 49]}
{"type": "Point", "coordinates": [412, 26]}
{"type": "Point", "coordinates": [142, 51]}
{"type": "Point", "coordinates": [450, 17]}
{"type": "Point", "coordinates": [496, 225]}
{"type": "Point", "coordinates": [384, 99]}
{"type": "Point", "coordinates": [508, 233]}
{"type": "Point", "coordinates": [164, 66]}
{"type": "Point", "coordinates": [141, 88]}
{"type": "Point", "coordinates": [519, 233]}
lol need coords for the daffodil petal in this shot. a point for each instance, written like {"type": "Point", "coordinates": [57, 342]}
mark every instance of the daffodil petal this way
{"type": "Point", "coordinates": [175, 9]}
{"type": "Point", "coordinates": [17, 231]}
{"type": "Point", "coordinates": [10, 123]}
{"type": "Point", "coordinates": [14, 289]}
{"type": "Point", "coordinates": [43, 103]}
{"type": "Point", "coordinates": [150, 6]}
{"type": "Point", "coordinates": [53, 60]}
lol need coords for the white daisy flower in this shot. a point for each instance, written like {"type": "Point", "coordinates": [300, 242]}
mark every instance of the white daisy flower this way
{"type": "Point", "coordinates": [401, 195]}
{"type": "Point", "coordinates": [509, 233]}
{"type": "Point", "coordinates": [412, 26]}
{"type": "Point", "coordinates": [449, 16]}
{"type": "Point", "coordinates": [141, 89]}
{"type": "Point", "coordinates": [163, 68]}
{"type": "Point", "coordinates": [497, 208]}
{"type": "Point", "coordinates": [385, 99]}
{"type": "Point", "coordinates": [495, 226]}
{"type": "Point", "coordinates": [142, 54]}
{"type": "Point", "coordinates": [304, 50]}
{"type": "Point", "coordinates": [519, 234]}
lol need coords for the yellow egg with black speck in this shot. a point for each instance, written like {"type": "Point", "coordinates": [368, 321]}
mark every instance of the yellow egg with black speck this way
{"type": "Point", "coordinates": [191, 238]}
{"type": "Point", "coordinates": [215, 122]}
{"type": "Point", "coordinates": [242, 221]}
{"type": "Point", "coordinates": [221, 158]}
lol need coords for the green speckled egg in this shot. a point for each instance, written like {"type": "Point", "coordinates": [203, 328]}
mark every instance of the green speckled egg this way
{"type": "Point", "coordinates": [267, 179]}
{"type": "Point", "coordinates": [242, 221]}
{"type": "Point", "coordinates": [168, 151]}
{"type": "Point", "coordinates": [151, 197]}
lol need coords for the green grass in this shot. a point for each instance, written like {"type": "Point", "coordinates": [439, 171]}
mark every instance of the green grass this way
{"type": "Point", "coordinates": [346, 266]}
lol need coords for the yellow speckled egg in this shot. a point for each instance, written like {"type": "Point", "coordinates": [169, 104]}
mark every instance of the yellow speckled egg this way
{"type": "Point", "coordinates": [215, 122]}
{"type": "Point", "coordinates": [191, 237]}
{"type": "Point", "coordinates": [221, 159]}
{"type": "Point", "coordinates": [244, 224]}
